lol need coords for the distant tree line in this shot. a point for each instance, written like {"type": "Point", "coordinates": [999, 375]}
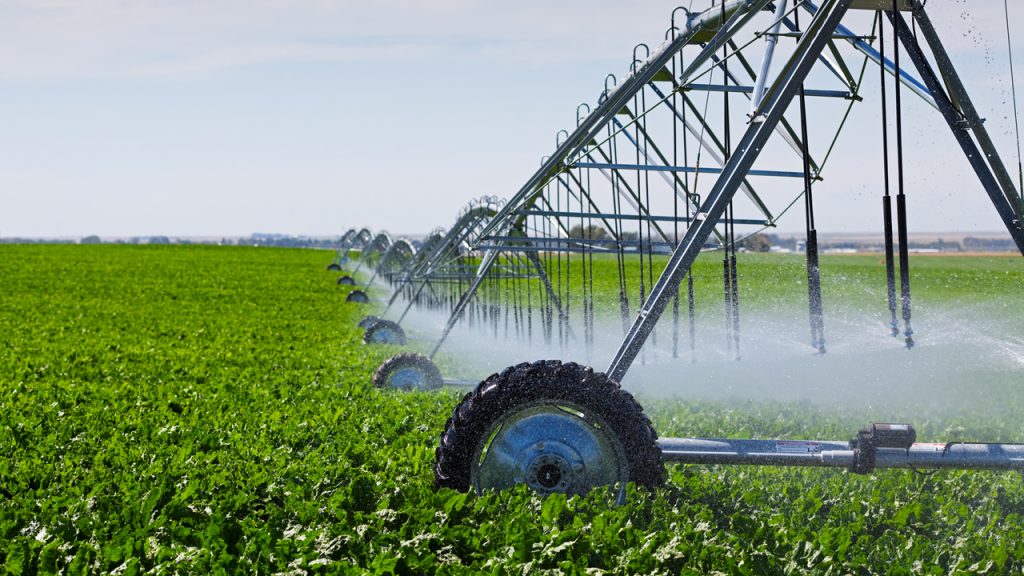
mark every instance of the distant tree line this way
{"type": "Point", "coordinates": [255, 240]}
{"type": "Point", "coordinates": [759, 242]}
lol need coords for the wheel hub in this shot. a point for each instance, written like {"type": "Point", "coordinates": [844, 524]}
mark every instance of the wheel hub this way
{"type": "Point", "coordinates": [550, 473]}
{"type": "Point", "coordinates": [384, 336]}
{"type": "Point", "coordinates": [551, 449]}
{"type": "Point", "coordinates": [408, 378]}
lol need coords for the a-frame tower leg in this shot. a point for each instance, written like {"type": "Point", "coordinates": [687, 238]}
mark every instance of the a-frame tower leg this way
{"type": "Point", "coordinates": [992, 173]}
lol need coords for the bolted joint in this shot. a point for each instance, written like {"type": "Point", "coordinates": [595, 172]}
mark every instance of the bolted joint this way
{"type": "Point", "coordinates": [865, 446]}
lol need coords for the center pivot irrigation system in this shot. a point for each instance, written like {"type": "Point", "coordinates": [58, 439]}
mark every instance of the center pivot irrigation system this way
{"type": "Point", "coordinates": [709, 134]}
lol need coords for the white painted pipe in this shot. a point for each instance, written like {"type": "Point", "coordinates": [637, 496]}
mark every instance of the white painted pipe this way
{"type": "Point", "coordinates": [766, 63]}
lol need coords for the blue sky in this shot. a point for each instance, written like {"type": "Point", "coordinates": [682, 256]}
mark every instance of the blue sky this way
{"type": "Point", "coordinates": [213, 118]}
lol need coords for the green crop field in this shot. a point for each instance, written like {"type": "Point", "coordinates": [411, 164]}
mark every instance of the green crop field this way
{"type": "Point", "coordinates": [187, 409]}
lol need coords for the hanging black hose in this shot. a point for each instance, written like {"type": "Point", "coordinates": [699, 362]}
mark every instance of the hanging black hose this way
{"type": "Point", "coordinates": [584, 234]}
{"type": "Point", "coordinates": [689, 275]}
{"type": "Point", "coordinates": [561, 290]}
{"type": "Point", "coordinates": [675, 324]}
{"type": "Point", "coordinates": [901, 200]}
{"type": "Point", "coordinates": [529, 312]}
{"type": "Point", "coordinates": [732, 304]}
{"type": "Point", "coordinates": [697, 204]}
{"type": "Point", "coordinates": [890, 261]}
{"type": "Point", "coordinates": [545, 296]}
{"type": "Point", "coordinates": [620, 255]}
{"type": "Point", "coordinates": [589, 280]}
{"type": "Point", "coordinates": [726, 276]}
{"type": "Point", "coordinates": [509, 303]}
{"type": "Point", "coordinates": [692, 316]}
{"type": "Point", "coordinates": [565, 298]}
{"type": "Point", "coordinates": [735, 284]}
{"type": "Point", "coordinates": [520, 310]}
{"type": "Point", "coordinates": [727, 282]}
{"type": "Point", "coordinates": [640, 180]}
{"type": "Point", "coordinates": [675, 210]}
{"type": "Point", "coordinates": [650, 237]}
{"type": "Point", "coordinates": [496, 306]}
{"type": "Point", "coordinates": [817, 318]}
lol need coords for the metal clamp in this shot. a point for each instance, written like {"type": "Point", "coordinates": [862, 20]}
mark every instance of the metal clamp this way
{"type": "Point", "coordinates": [875, 436]}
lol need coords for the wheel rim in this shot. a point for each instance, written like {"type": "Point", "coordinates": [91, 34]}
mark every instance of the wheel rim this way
{"type": "Point", "coordinates": [551, 448]}
{"type": "Point", "coordinates": [408, 378]}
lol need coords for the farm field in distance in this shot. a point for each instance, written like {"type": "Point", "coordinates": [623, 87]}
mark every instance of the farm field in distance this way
{"type": "Point", "coordinates": [199, 409]}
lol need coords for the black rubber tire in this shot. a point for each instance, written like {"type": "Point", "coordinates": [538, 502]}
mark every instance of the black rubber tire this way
{"type": "Point", "coordinates": [334, 267]}
{"type": "Point", "coordinates": [357, 296]}
{"type": "Point", "coordinates": [432, 379]}
{"type": "Point", "coordinates": [384, 332]}
{"type": "Point", "coordinates": [366, 321]}
{"type": "Point", "coordinates": [546, 380]}
{"type": "Point", "coordinates": [347, 280]}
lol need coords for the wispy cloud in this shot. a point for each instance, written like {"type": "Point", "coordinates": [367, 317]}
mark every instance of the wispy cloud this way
{"type": "Point", "coordinates": [69, 39]}
{"type": "Point", "coordinates": [225, 57]}
{"type": "Point", "coordinates": [58, 39]}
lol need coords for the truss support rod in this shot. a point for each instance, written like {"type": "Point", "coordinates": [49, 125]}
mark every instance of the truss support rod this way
{"type": "Point", "coordinates": [844, 94]}
{"type": "Point", "coordinates": [715, 151]}
{"type": "Point", "coordinates": [687, 169]}
{"type": "Point", "coordinates": [630, 196]}
{"type": "Point", "coordinates": [776, 100]}
{"type": "Point", "coordinates": [866, 49]}
{"type": "Point", "coordinates": [558, 221]}
{"type": "Point", "coordinates": [851, 81]}
{"type": "Point", "coordinates": [672, 180]}
{"type": "Point", "coordinates": [566, 245]}
{"type": "Point", "coordinates": [835, 67]}
{"type": "Point", "coordinates": [1010, 216]}
{"type": "Point", "coordinates": [834, 36]}
{"type": "Point", "coordinates": [609, 216]}
{"type": "Point", "coordinates": [584, 193]}
{"type": "Point", "coordinates": [784, 128]}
